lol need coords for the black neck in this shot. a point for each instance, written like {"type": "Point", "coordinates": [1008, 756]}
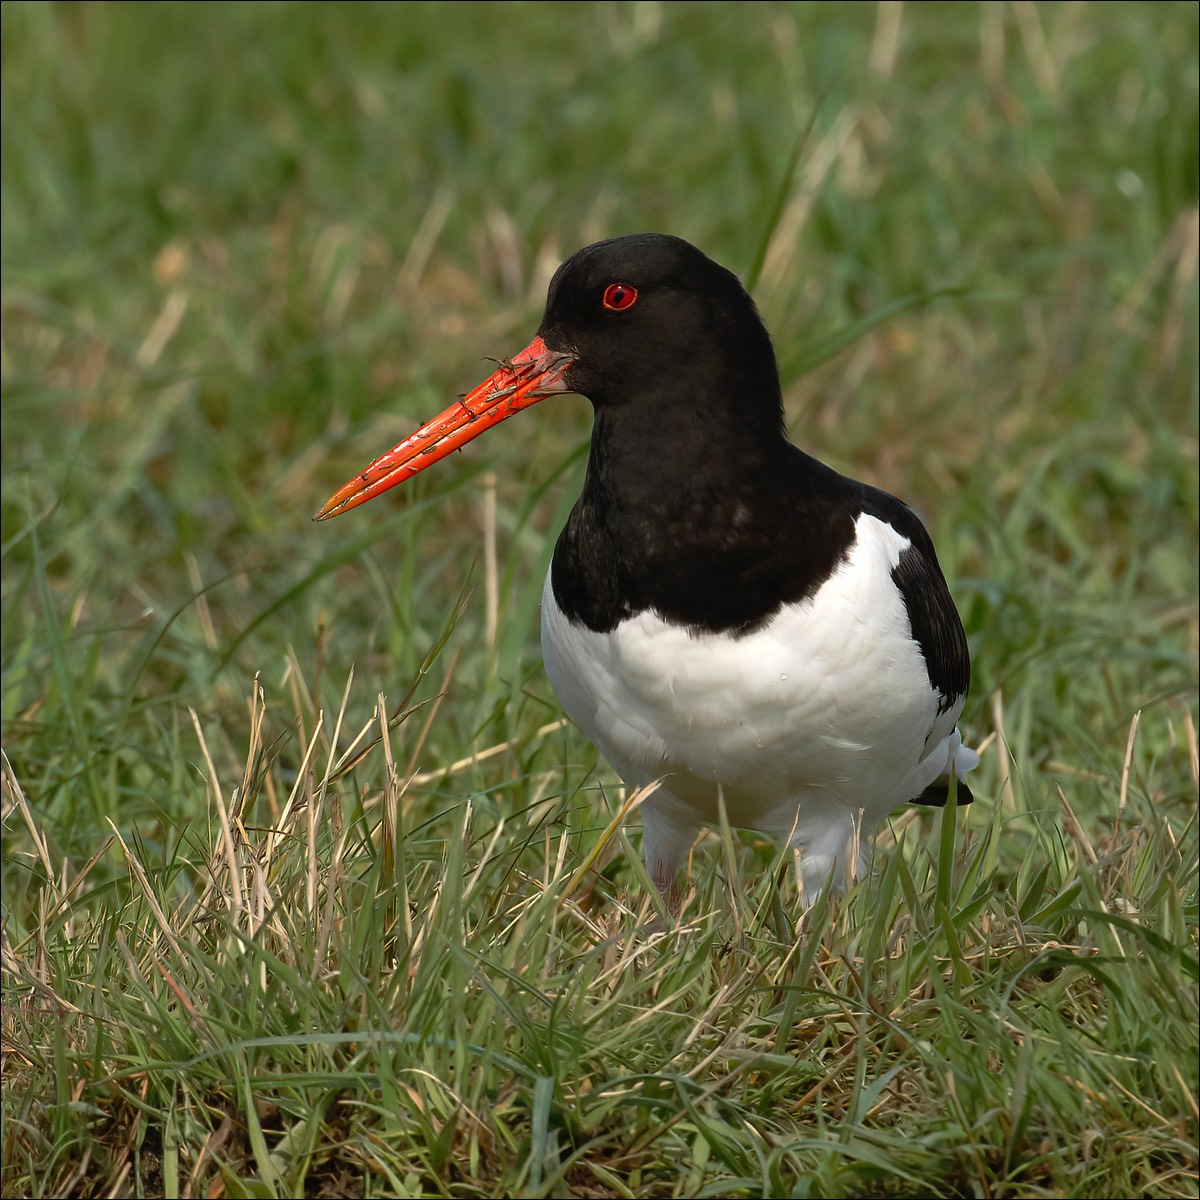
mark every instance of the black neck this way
{"type": "Point", "coordinates": [713, 530]}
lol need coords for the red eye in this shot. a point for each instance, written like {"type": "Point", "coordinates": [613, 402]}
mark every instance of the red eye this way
{"type": "Point", "coordinates": [619, 296]}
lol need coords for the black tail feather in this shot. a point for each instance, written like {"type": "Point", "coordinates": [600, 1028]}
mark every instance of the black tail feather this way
{"type": "Point", "coordinates": [938, 792]}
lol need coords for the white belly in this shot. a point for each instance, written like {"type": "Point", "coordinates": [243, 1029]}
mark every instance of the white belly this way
{"type": "Point", "coordinates": [825, 713]}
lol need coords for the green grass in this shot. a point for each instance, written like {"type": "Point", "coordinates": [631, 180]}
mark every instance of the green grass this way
{"type": "Point", "coordinates": [296, 844]}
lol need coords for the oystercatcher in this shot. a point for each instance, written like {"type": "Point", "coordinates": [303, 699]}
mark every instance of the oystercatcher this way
{"type": "Point", "coordinates": [723, 612]}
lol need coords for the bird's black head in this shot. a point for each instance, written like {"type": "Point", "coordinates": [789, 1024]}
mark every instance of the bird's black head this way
{"type": "Point", "coordinates": [651, 321]}
{"type": "Point", "coordinates": [670, 350]}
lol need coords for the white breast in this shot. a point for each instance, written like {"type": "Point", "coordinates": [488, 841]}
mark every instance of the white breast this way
{"type": "Point", "coordinates": [823, 718]}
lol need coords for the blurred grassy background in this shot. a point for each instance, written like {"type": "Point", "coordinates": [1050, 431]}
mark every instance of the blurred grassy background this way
{"type": "Point", "coordinates": [246, 247]}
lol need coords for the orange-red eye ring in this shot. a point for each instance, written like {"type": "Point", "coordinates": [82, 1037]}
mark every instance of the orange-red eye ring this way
{"type": "Point", "coordinates": [619, 296]}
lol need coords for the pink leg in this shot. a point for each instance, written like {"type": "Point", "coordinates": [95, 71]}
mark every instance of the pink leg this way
{"type": "Point", "coordinates": [665, 840]}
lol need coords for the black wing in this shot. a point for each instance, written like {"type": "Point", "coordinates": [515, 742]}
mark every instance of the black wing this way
{"type": "Point", "coordinates": [932, 616]}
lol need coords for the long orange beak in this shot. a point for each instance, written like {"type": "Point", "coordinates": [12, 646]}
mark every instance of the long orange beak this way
{"type": "Point", "coordinates": [528, 377]}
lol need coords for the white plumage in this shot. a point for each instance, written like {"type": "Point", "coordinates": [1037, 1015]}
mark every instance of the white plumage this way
{"type": "Point", "coordinates": [814, 726]}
